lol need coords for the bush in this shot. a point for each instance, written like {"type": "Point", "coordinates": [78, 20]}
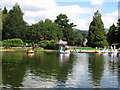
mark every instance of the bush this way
{"type": "Point", "coordinates": [28, 45]}
{"type": "Point", "coordinates": [13, 42]}
{"type": "Point", "coordinates": [47, 44]}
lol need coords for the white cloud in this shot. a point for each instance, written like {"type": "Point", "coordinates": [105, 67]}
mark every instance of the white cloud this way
{"type": "Point", "coordinates": [97, 2]}
{"type": "Point", "coordinates": [72, 11]}
{"type": "Point", "coordinates": [83, 24]}
{"type": "Point", "coordinates": [36, 10]}
{"type": "Point", "coordinates": [30, 5]}
{"type": "Point", "coordinates": [110, 18]}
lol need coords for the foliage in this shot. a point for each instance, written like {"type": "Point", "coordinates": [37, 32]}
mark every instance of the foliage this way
{"type": "Point", "coordinates": [111, 36]}
{"type": "Point", "coordinates": [48, 29]}
{"type": "Point", "coordinates": [97, 34]}
{"type": "Point", "coordinates": [66, 27]}
{"type": "Point", "coordinates": [13, 23]}
{"type": "Point", "coordinates": [47, 44]}
{"type": "Point", "coordinates": [30, 34]}
{"type": "Point", "coordinates": [116, 44]}
{"type": "Point", "coordinates": [13, 42]}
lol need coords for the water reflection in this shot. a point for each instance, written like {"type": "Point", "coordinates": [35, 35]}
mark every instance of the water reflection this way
{"type": "Point", "coordinates": [14, 68]}
{"type": "Point", "coordinates": [96, 67]}
{"type": "Point", "coordinates": [64, 58]}
{"type": "Point", "coordinates": [52, 70]}
{"type": "Point", "coordinates": [118, 72]}
{"type": "Point", "coordinates": [31, 54]}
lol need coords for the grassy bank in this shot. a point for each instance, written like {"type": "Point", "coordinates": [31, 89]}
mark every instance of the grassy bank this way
{"type": "Point", "coordinates": [42, 49]}
{"type": "Point", "coordinates": [25, 49]}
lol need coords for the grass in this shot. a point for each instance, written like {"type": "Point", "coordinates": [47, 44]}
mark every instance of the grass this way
{"type": "Point", "coordinates": [82, 48]}
{"type": "Point", "coordinates": [49, 50]}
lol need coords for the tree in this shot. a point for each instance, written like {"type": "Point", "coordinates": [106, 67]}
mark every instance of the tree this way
{"type": "Point", "coordinates": [49, 30]}
{"type": "Point", "coordinates": [31, 35]}
{"type": "Point", "coordinates": [66, 27]}
{"type": "Point", "coordinates": [5, 10]}
{"type": "Point", "coordinates": [13, 23]}
{"type": "Point", "coordinates": [97, 34]}
{"type": "Point", "coordinates": [62, 20]}
{"type": "Point", "coordinates": [111, 36]}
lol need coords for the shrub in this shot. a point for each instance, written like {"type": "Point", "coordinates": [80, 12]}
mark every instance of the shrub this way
{"type": "Point", "coordinates": [13, 42]}
{"type": "Point", "coordinates": [47, 44]}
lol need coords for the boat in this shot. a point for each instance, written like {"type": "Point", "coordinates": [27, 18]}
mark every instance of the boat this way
{"type": "Point", "coordinates": [64, 51]}
{"type": "Point", "coordinates": [105, 51]}
{"type": "Point", "coordinates": [97, 51]}
{"type": "Point", "coordinates": [114, 51]}
{"type": "Point", "coordinates": [30, 51]}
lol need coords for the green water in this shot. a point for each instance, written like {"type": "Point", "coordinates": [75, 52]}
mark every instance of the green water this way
{"type": "Point", "coordinates": [52, 70]}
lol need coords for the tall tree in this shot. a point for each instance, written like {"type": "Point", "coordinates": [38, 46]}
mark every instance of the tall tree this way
{"type": "Point", "coordinates": [66, 27]}
{"type": "Point", "coordinates": [97, 34]}
{"type": "Point", "coordinates": [62, 20]}
{"type": "Point", "coordinates": [13, 23]}
{"type": "Point", "coordinates": [111, 36]}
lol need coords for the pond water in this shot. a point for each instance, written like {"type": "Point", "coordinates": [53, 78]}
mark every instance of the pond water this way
{"type": "Point", "coordinates": [53, 70]}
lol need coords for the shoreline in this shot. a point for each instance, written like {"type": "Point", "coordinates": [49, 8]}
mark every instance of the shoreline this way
{"type": "Point", "coordinates": [10, 50]}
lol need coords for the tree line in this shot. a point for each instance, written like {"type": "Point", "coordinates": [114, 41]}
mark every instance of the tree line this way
{"type": "Point", "coordinates": [14, 26]}
{"type": "Point", "coordinates": [98, 36]}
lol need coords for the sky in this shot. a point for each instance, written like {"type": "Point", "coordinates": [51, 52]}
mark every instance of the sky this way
{"type": "Point", "coordinates": [79, 12]}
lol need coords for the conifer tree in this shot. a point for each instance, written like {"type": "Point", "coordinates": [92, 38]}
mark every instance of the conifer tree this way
{"type": "Point", "coordinates": [13, 23]}
{"type": "Point", "coordinates": [111, 36]}
{"type": "Point", "coordinates": [97, 34]}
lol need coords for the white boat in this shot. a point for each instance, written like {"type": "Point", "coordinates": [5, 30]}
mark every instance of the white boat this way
{"type": "Point", "coordinates": [105, 51]}
{"type": "Point", "coordinates": [64, 51]}
{"type": "Point", "coordinates": [114, 51]}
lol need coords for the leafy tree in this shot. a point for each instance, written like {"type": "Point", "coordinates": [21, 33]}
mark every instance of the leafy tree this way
{"type": "Point", "coordinates": [51, 30]}
{"type": "Point", "coordinates": [13, 23]}
{"type": "Point", "coordinates": [79, 39]}
{"type": "Point", "coordinates": [97, 34]}
{"type": "Point", "coordinates": [5, 10]}
{"type": "Point", "coordinates": [48, 29]}
{"type": "Point", "coordinates": [31, 35]}
{"type": "Point", "coordinates": [62, 20]}
{"type": "Point", "coordinates": [66, 27]}
{"type": "Point", "coordinates": [111, 36]}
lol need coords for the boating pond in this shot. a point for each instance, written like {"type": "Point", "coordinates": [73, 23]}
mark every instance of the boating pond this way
{"type": "Point", "coordinates": [53, 70]}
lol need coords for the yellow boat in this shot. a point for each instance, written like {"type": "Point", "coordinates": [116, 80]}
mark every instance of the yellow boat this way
{"type": "Point", "coordinates": [30, 51]}
{"type": "Point", "coordinates": [97, 51]}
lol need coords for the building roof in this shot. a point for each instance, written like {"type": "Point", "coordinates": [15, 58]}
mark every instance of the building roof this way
{"type": "Point", "coordinates": [61, 42]}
